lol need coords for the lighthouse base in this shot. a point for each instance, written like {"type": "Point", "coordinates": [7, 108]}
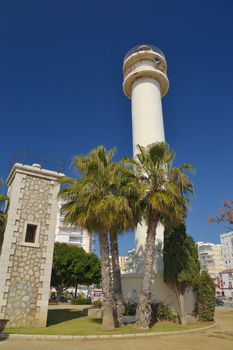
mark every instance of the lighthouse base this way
{"type": "Point", "coordinates": [161, 292]}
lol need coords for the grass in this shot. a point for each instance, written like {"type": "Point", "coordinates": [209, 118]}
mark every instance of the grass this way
{"type": "Point", "coordinates": [73, 322]}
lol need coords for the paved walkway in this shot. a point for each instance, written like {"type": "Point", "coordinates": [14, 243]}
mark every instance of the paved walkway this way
{"type": "Point", "coordinates": [218, 338]}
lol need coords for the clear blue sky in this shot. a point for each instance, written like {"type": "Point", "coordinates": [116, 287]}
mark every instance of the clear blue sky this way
{"type": "Point", "coordinates": [61, 85]}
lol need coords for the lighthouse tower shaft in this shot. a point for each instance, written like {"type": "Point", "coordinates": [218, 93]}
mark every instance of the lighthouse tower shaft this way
{"type": "Point", "coordinates": [147, 117]}
{"type": "Point", "coordinates": [145, 82]}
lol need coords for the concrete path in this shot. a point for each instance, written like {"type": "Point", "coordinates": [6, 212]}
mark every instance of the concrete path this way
{"type": "Point", "coordinates": [218, 338]}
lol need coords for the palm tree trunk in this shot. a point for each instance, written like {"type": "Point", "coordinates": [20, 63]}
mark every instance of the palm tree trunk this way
{"type": "Point", "coordinates": [108, 320]}
{"type": "Point", "coordinates": [180, 304]}
{"type": "Point", "coordinates": [144, 310]}
{"type": "Point", "coordinates": [117, 287]}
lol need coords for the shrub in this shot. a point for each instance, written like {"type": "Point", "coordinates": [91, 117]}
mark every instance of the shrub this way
{"type": "Point", "coordinates": [164, 313]}
{"type": "Point", "coordinates": [97, 304]}
{"type": "Point", "coordinates": [80, 301]}
{"type": "Point", "coordinates": [130, 309]}
{"type": "Point", "coordinates": [206, 297]}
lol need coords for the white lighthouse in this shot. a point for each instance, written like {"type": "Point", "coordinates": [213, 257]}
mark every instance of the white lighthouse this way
{"type": "Point", "coordinates": [145, 83]}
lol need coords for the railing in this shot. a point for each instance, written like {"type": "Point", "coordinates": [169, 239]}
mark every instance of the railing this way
{"type": "Point", "coordinates": [47, 162]}
{"type": "Point", "coordinates": [152, 65]}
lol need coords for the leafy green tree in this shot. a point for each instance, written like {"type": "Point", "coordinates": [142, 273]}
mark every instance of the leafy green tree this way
{"type": "Point", "coordinates": [92, 270]}
{"type": "Point", "coordinates": [87, 272]}
{"type": "Point", "coordinates": [4, 203]}
{"type": "Point", "coordinates": [64, 267]}
{"type": "Point", "coordinates": [94, 203]}
{"type": "Point", "coordinates": [73, 266]}
{"type": "Point", "coordinates": [181, 265]}
{"type": "Point", "coordinates": [164, 201]}
{"type": "Point", "coordinates": [206, 297]}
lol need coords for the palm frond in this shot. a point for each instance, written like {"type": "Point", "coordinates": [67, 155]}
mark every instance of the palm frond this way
{"type": "Point", "coordinates": [166, 187]}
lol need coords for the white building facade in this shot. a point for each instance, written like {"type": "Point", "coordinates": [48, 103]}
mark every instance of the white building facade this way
{"type": "Point", "coordinates": [122, 263]}
{"type": "Point", "coordinates": [71, 234]}
{"type": "Point", "coordinates": [227, 249]}
{"type": "Point", "coordinates": [130, 262]}
{"type": "Point", "coordinates": [210, 257]}
{"type": "Point", "coordinates": [226, 283]}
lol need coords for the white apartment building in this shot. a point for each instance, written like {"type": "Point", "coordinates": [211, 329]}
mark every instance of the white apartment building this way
{"type": "Point", "coordinates": [122, 263]}
{"type": "Point", "coordinates": [226, 283]}
{"type": "Point", "coordinates": [227, 249]}
{"type": "Point", "coordinates": [130, 262]}
{"type": "Point", "coordinates": [71, 234]}
{"type": "Point", "coordinates": [210, 257]}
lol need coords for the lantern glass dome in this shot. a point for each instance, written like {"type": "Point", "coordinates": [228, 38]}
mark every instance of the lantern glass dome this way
{"type": "Point", "coordinates": [144, 47]}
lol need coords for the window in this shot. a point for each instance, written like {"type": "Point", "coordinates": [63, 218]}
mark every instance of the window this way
{"type": "Point", "coordinates": [75, 239]}
{"type": "Point", "coordinates": [157, 60]}
{"type": "Point", "coordinates": [30, 236]}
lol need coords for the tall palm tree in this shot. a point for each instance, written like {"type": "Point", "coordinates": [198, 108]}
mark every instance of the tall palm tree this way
{"type": "Point", "coordinates": [94, 203]}
{"type": "Point", "coordinates": [4, 202]}
{"type": "Point", "coordinates": [128, 187]}
{"type": "Point", "coordinates": [165, 201]}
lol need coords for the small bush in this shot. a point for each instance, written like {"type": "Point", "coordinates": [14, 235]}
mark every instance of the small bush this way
{"type": "Point", "coordinates": [160, 312]}
{"type": "Point", "coordinates": [163, 313]}
{"type": "Point", "coordinates": [80, 301]}
{"type": "Point", "coordinates": [97, 304]}
{"type": "Point", "coordinates": [206, 297]}
{"type": "Point", "coordinates": [130, 309]}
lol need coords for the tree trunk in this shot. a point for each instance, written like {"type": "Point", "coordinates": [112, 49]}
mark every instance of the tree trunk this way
{"type": "Point", "coordinates": [75, 290]}
{"type": "Point", "coordinates": [181, 311]}
{"type": "Point", "coordinates": [179, 293]}
{"type": "Point", "coordinates": [117, 287]}
{"type": "Point", "coordinates": [60, 290]}
{"type": "Point", "coordinates": [144, 311]}
{"type": "Point", "coordinates": [108, 320]}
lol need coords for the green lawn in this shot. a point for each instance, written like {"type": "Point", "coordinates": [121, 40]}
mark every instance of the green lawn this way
{"type": "Point", "coordinates": [73, 322]}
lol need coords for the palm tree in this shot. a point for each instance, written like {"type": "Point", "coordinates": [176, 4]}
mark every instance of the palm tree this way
{"type": "Point", "coordinates": [164, 200]}
{"type": "Point", "coordinates": [128, 187]}
{"type": "Point", "coordinates": [93, 202]}
{"type": "Point", "coordinates": [4, 202]}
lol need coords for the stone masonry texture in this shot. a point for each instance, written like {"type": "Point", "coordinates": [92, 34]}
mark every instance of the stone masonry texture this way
{"type": "Point", "coordinates": [28, 270]}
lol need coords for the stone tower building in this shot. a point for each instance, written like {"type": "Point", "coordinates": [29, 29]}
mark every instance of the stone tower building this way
{"type": "Point", "coordinates": [27, 251]}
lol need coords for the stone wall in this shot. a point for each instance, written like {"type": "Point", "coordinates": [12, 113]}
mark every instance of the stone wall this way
{"type": "Point", "coordinates": [26, 270]}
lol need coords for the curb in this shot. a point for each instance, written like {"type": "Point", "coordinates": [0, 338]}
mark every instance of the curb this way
{"type": "Point", "coordinates": [97, 337]}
